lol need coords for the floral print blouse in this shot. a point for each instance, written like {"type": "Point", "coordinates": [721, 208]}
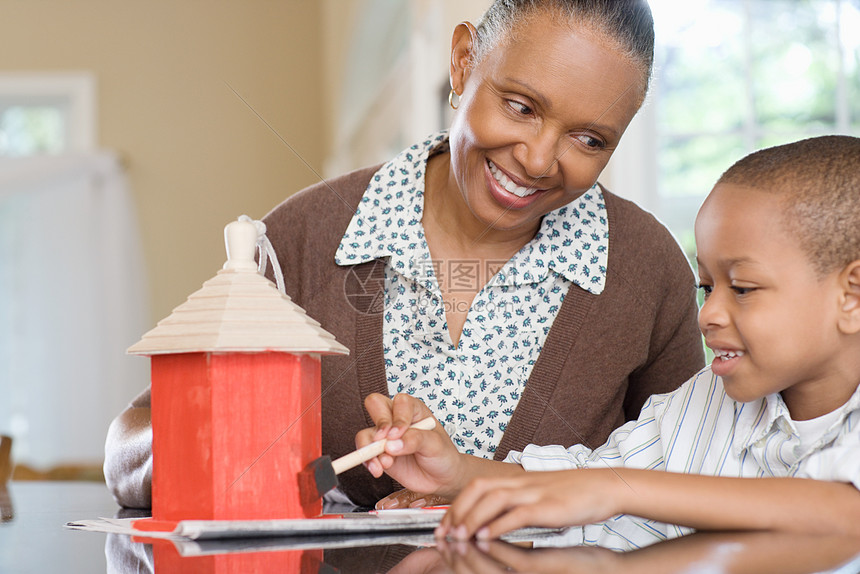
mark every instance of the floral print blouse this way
{"type": "Point", "coordinates": [472, 387]}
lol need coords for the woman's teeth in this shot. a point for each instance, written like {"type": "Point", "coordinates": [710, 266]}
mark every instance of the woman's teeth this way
{"type": "Point", "coordinates": [510, 186]}
{"type": "Point", "coordinates": [727, 354]}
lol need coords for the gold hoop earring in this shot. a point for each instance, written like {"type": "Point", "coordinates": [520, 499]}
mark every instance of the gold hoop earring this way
{"type": "Point", "coordinates": [451, 95]}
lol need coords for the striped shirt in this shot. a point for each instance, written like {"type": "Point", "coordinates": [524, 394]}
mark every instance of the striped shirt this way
{"type": "Point", "coordinates": [699, 429]}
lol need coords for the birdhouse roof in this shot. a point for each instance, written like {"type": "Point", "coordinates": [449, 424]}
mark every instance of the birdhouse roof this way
{"type": "Point", "coordinates": [238, 310]}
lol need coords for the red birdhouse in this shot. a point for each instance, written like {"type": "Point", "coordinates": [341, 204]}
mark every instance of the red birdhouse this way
{"type": "Point", "coordinates": [235, 396]}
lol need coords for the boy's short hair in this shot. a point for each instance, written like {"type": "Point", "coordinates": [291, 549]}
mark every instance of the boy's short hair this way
{"type": "Point", "coordinates": [819, 179]}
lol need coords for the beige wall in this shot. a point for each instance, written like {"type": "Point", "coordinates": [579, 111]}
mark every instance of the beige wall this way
{"type": "Point", "coordinates": [399, 99]}
{"type": "Point", "coordinates": [196, 155]}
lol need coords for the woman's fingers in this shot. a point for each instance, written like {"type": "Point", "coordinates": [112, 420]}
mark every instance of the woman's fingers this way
{"type": "Point", "coordinates": [409, 499]}
{"type": "Point", "coordinates": [428, 500]}
{"type": "Point", "coordinates": [400, 499]}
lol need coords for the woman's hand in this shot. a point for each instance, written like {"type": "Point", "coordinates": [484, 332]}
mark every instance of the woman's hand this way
{"type": "Point", "coordinates": [409, 499]}
{"type": "Point", "coordinates": [422, 461]}
{"type": "Point", "coordinates": [489, 507]}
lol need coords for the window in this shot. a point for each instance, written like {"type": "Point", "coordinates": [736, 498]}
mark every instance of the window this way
{"type": "Point", "coordinates": [46, 114]}
{"type": "Point", "coordinates": [72, 283]}
{"type": "Point", "coordinates": [733, 76]}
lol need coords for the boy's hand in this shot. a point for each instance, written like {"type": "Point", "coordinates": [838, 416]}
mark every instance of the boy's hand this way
{"type": "Point", "coordinates": [422, 461]}
{"type": "Point", "coordinates": [489, 507]}
{"type": "Point", "coordinates": [484, 557]}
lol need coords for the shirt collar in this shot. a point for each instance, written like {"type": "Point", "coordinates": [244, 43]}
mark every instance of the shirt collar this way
{"type": "Point", "coordinates": [572, 241]}
{"type": "Point", "coordinates": [757, 420]}
{"type": "Point", "coordinates": [387, 221]}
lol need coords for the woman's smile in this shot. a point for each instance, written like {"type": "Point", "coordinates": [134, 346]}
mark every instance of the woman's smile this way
{"type": "Point", "coordinates": [509, 184]}
{"type": "Point", "coordinates": [509, 193]}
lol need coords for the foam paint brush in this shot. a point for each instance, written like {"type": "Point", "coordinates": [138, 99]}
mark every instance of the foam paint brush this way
{"type": "Point", "coordinates": [320, 475]}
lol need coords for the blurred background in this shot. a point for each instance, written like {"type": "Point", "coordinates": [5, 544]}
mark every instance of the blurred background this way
{"type": "Point", "coordinates": [131, 133]}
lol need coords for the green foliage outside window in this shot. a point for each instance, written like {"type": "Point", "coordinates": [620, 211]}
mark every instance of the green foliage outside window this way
{"type": "Point", "coordinates": [31, 130]}
{"type": "Point", "coordinates": [733, 76]}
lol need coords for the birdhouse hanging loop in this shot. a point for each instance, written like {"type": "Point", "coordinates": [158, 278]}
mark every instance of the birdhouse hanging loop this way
{"type": "Point", "coordinates": [241, 237]}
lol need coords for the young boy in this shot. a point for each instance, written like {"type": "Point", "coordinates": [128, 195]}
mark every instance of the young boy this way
{"type": "Point", "coordinates": [767, 437]}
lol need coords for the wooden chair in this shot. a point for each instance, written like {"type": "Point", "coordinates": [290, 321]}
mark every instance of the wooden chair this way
{"type": "Point", "coordinates": [85, 472]}
{"type": "Point", "coordinates": [7, 511]}
{"type": "Point", "coordinates": [89, 472]}
{"type": "Point", "coordinates": [5, 459]}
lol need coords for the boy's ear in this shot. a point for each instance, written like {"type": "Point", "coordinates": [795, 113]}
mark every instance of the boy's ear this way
{"type": "Point", "coordinates": [462, 45]}
{"type": "Point", "coordinates": [849, 319]}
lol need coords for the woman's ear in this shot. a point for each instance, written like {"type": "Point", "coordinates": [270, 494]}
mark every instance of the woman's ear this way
{"type": "Point", "coordinates": [849, 319]}
{"type": "Point", "coordinates": [463, 42]}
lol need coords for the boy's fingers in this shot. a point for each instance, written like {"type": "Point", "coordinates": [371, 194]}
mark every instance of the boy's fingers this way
{"type": "Point", "coordinates": [415, 441]}
{"type": "Point", "coordinates": [492, 507]}
{"type": "Point", "coordinates": [467, 501]}
{"type": "Point", "coordinates": [507, 521]}
{"type": "Point", "coordinates": [406, 410]}
{"type": "Point", "coordinates": [486, 510]}
{"type": "Point", "coordinates": [374, 467]}
{"type": "Point", "coordinates": [364, 437]}
{"type": "Point", "coordinates": [379, 408]}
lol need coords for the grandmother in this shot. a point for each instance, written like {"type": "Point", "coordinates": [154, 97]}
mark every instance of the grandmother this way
{"type": "Point", "coordinates": [485, 270]}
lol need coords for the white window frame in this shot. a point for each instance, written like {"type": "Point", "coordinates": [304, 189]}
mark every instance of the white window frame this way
{"type": "Point", "coordinates": [75, 91]}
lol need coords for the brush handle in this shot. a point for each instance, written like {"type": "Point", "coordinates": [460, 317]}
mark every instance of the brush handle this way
{"type": "Point", "coordinates": [373, 449]}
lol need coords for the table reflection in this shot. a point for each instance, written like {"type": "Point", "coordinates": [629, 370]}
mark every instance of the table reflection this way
{"type": "Point", "coordinates": [714, 553]}
{"type": "Point", "coordinates": [735, 553]}
{"type": "Point", "coordinates": [33, 540]}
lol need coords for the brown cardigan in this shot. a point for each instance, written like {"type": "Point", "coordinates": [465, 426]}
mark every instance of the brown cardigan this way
{"type": "Point", "coordinates": [604, 355]}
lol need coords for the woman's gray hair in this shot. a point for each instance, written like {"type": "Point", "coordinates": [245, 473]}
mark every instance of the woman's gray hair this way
{"type": "Point", "coordinates": [627, 23]}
